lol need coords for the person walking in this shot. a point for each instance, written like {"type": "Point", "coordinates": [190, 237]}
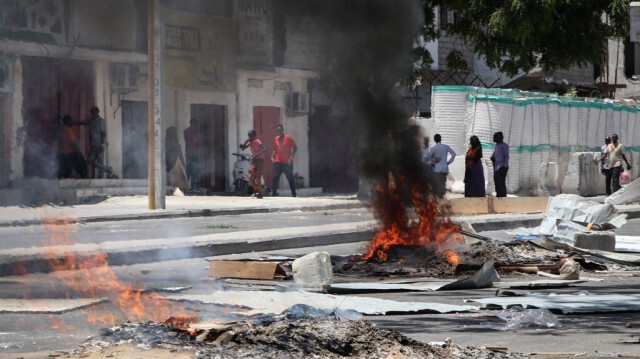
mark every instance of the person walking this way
{"type": "Point", "coordinates": [616, 154]}
{"type": "Point", "coordinates": [500, 160]}
{"type": "Point", "coordinates": [604, 165]}
{"type": "Point", "coordinates": [257, 161]}
{"type": "Point", "coordinates": [473, 171]}
{"type": "Point", "coordinates": [284, 149]}
{"type": "Point", "coordinates": [97, 141]}
{"type": "Point", "coordinates": [438, 155]}
{"type": "Point", "coordinates": [192, 152]}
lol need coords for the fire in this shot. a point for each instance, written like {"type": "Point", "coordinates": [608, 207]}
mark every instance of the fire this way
{"type": "Point", "coordinates": [452, 257]}
{"type": "Point", "coordinates": [428, 229]}
{"type": "Point", "coordinates": [89, 275]}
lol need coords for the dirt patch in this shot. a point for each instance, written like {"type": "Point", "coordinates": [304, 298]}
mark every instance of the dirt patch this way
{"type": "Point", "coordinates": [412, 261]}
{"type": "Point", "coordinates": [291, 336]}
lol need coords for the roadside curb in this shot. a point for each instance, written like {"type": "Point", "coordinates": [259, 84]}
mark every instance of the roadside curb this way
{"type": "Point", "coordinates": [37, 263]}
{"type": "Point", "coordinates": [176, 214]}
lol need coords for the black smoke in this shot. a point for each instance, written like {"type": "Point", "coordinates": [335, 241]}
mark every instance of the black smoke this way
{"type": "Point", "coordinates": [366, 52]}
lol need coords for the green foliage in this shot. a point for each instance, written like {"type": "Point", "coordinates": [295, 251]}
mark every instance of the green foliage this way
{"type": "Point", "coordinates": [518, 35]}
{"type": "Point", "coordinates": [456, 61]}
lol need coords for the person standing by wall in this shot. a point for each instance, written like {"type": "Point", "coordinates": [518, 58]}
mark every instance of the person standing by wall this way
{"type": "Point", "coordinates": [438, 155]}
{"type": "Point", "coordinates": [97, 141]}
{"type": "Point", "coordinates": [500, 159]}
{"type": "Point", "coordinates": [257, 161]}
{"type": "Point", "coordinates": [174, 162]}
{"type": "Point", "coordinates": [604, 165]}
{"type": "Point", "coordinates": [284, 149]}
{"type": "Point", "coordinates": [428, 166]}
{"type": "Point", "coordinates": [192, 152]}
{"type": "Point", "coordinates": [69, 155]}
{"type": "Point", "coordinates": [473, 171]}
{"type": "Point", "coordinates": [616, 154]}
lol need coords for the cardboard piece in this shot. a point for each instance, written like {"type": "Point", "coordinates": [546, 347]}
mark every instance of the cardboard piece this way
{"type": "Point", "coordinates": [246, 269]}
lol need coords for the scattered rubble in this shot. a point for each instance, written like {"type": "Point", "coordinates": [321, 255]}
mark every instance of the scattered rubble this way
{"type": "Point", "coordinates": [427, 264]}
{"type": "Point", "coordinates": [302, 335]}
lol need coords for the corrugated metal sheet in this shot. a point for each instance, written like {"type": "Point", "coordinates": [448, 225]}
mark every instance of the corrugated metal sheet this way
{"type": "Point", "coordinates": [566, 303]}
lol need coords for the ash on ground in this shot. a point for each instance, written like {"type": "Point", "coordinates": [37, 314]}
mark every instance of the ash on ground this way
{"type": "Point", "coordinates": [287, 336]}
{"type": "Point", "coordinates": [415, 261]}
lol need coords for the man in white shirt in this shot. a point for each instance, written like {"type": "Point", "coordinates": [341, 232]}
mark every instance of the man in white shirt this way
{"type": "Point", "coordinates": [438, 155]}
{"type": "Point", "coordinates": [615, 153]}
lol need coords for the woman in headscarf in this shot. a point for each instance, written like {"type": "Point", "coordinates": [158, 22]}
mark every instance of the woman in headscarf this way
{"type": "Point", "coordinates": [474, 185]}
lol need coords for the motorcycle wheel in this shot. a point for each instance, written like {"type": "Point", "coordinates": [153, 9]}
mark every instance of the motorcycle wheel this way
{"type": "Point", "coordinates": [242, 188]}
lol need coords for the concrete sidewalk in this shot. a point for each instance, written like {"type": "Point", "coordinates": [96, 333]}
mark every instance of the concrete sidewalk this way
{"type": "Point", "coordinates": [137, 207]}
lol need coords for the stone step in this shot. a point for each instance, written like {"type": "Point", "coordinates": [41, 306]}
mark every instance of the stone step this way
{"type": "Point", "coordinates": [102, 183]}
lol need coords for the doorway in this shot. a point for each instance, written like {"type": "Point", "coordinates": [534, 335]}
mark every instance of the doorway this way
{"type": "Point", "coordinates": [265, 120]}
{"type": "Point", "coordinates": [212, 127]}
{"type": "Point", "coordinates": [52, 88]}
{"type": "Point", "coordinates": [135, 140]}
{"type": "Point", "coordinates": [333, 148]}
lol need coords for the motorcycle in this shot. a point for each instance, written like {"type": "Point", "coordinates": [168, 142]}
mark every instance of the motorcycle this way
{"type": "Point", "coordinates": [241, 174]}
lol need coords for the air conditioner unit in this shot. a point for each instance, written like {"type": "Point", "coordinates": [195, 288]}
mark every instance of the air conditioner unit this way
{"type": "Point", "coordinates": [297, 103]}
{"type": "Point", "coordinates": [123, 78]}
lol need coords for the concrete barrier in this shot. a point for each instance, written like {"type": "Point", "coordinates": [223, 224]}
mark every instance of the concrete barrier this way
{"type": "Point", "coordinates": [488, 205]}
{"type": "Point", "coordinates": [583, 175]}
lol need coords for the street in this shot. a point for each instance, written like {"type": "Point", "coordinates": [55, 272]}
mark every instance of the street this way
{"type": "Point", "coordinates": [41, 235]}
{"type": "Point", "coordinates": [40, 333]}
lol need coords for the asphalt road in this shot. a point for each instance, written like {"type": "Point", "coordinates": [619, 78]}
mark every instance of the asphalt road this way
{"type": "Point", "coordinates": [40, 334]}
{"type": "Point", "coordinates": [588, 335]}
{"type": "Point", "coordinates": [41, 235]}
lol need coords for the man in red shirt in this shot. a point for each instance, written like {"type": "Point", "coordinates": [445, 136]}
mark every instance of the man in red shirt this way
{"type": "Point", "coordinates": [69, 155]}
{"type": "Point", "coordinates": [257, 162]}
{"type": "Point", "coordinates": [284, 149]}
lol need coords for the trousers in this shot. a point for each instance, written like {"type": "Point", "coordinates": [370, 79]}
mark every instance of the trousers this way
{"type": "Point", "coordinates": [278, 169]}
{"type": "Point", "coordinates": [500, 180]}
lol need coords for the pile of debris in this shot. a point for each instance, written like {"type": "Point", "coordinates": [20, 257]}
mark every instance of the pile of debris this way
{"type": "Point", "coordinates": [418, 263]}
{"type": "Point", "coordinates": [291, 335]}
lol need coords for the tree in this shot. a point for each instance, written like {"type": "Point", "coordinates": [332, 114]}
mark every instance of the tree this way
{"type": "Point", "coordinates": [518, 35]}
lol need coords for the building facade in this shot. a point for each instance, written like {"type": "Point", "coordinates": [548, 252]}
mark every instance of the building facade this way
{"type": "Point", "coordinates": [232, 65]}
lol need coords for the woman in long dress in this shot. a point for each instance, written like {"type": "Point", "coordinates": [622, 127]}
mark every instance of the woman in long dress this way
{"type": "Point", "coordinates": [473, 172]}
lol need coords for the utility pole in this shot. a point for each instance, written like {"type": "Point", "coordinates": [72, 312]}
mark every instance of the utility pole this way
{"type": "Point", "coordinates": [154, 103]}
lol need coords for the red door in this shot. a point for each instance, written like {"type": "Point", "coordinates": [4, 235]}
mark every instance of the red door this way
{"type": "Point", "coordinates": [265, 120]}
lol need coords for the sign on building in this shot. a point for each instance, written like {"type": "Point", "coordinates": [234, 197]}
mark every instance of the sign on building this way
{"type": "Point", "coordinates": [255, 31]}
{"type": "Point", "coordinates": [304, 42]}
{"type": "Point", "coordinates": [199, 52]}
{"type": "Point", "coordinates": [34, 21]}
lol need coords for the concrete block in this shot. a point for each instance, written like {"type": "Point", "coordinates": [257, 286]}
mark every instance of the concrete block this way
{"type": "Point", "coordinates": [314, 268]}
{"type": "Point", "coordinates": [476, 205]}
{"type": "Point", "coordinates": [517, 204]}
{"type": "Point", "coordinates": [548, 180]}
{"type": "Point", "coordinates": [583, 175]}
{"type": "Point", "coordinates": [600, 240]}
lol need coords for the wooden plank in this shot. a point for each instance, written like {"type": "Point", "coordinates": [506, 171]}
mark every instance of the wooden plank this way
{"type": "Point", "coordinates": [245, 269]}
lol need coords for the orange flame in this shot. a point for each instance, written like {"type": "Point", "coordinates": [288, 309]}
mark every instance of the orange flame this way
{"type": "Point", "coordinates": [89, 275]}
{"type": "Point", "coordinates": [428, 229]}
